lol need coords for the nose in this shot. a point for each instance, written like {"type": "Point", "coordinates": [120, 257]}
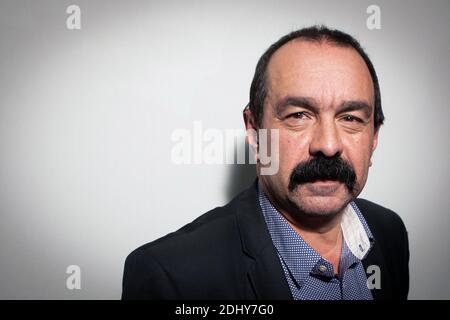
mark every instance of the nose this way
{"type": "Point", "coordinates": [326, 140]}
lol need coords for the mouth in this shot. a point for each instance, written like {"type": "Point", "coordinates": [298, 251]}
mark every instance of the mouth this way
{"type": "Point", "coordinates": [323, 187]}
{"type": "Point", "coordinates": [325, 183]}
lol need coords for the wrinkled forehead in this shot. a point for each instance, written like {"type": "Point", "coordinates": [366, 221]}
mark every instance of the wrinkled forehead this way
{"type": "Point", "coordinates": [321, 70]}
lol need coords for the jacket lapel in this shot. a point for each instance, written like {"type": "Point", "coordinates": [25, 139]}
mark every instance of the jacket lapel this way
{"type": "Point", "coordinates": [266, 279]}
{"type": "Point", "coordinates": [375, 258]}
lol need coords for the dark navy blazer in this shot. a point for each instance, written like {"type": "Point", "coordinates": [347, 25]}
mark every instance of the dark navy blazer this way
{"type": "Point", "coordinates": [227, 253]}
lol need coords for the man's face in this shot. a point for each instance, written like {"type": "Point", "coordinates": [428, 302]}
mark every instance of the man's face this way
{"type": "Point", "coordinates": [321, 99]}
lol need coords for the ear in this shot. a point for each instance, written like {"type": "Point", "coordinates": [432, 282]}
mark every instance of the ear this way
{"type": "Point", "coordinates": [374, 144]}
{"type": "Point", "coordinates": [252, 129]}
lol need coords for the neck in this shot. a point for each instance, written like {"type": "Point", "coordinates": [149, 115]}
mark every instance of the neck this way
{"type": "Point", "coordinates": [323, 235]}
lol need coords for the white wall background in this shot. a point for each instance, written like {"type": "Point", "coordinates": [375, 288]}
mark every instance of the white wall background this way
{"type": "Point", "coordinates": [86, 118]}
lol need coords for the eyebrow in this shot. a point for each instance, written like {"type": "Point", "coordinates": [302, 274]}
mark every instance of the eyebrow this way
{"type": "Point", "coordinates": [303, 102]}
{"type": "Point", "coordinates": [355, 105]}
{"type": "Point", "coordinates": [310, 104]}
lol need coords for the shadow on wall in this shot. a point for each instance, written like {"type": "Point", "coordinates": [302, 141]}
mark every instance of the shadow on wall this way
{"type": "Point", "coordinates": [240, 176]}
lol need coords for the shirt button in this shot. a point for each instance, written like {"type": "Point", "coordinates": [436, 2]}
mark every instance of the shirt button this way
{"type": "Point", "coordinates": [322, 268]}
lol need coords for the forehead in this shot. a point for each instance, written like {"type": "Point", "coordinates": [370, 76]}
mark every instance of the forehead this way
{"type": "Point", "coordinates": [323, 71]}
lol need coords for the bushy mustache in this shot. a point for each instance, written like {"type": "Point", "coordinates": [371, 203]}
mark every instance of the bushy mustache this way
{"type": "Point", "coordinates": [321, 167]}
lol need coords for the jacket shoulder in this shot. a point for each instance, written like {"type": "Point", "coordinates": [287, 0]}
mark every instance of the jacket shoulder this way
{"type": "Point", "coordinates": [161, 269]}
{"type": "Point", "coordinates": [214, 225]}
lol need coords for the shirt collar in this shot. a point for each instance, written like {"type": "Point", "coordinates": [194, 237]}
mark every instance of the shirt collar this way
{"type": "Point", "coordinates": [356, 232]}
{"type": "Point", "coordinates": [290, 245]}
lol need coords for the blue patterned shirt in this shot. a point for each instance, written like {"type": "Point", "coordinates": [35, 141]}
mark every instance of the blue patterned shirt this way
{"type": "Point", "coordinates": [311, 277]}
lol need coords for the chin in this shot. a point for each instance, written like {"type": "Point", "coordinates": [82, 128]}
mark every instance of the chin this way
{"type": "Point", "coordinates": [323, 206]}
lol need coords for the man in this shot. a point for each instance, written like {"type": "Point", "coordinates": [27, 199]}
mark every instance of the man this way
{"type": "Point", "coordinates": [299, 233]}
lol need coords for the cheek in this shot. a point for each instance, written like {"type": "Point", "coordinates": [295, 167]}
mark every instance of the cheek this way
{"type": "Point", "coordinates": [293, 149]}
{"type": "Point", "coordinates": [358, 153]}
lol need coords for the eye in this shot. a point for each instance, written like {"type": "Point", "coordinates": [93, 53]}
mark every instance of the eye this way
{"type": "Point", "coordinates": [298, 115]}
{"type": "Point", "coordinates": [350, 118]}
